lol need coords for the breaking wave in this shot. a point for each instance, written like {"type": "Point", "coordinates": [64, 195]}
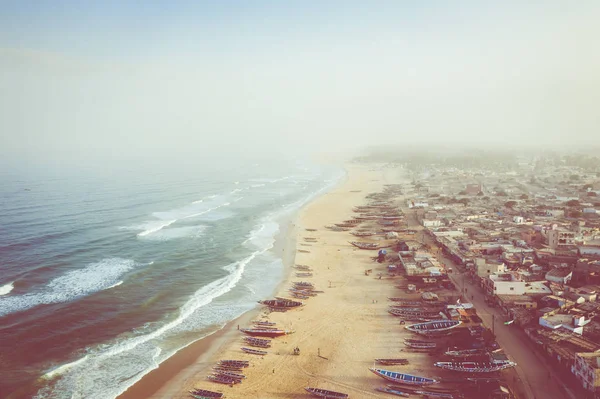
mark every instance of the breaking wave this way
{"type": "Point", "coordinates": [7, 288]}
{"type": "Point", "coordinates": [74, 284]}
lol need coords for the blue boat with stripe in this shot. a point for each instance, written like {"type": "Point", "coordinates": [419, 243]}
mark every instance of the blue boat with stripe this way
{"type": "Point", "coordinates": [400, 378]}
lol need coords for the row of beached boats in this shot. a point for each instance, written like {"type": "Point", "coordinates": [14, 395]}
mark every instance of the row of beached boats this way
{"type": "Point", "coordinates": [228, 372]}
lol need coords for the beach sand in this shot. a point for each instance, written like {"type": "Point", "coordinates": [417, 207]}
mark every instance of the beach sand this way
{"type": "Point", "coordinates": [339, 332]}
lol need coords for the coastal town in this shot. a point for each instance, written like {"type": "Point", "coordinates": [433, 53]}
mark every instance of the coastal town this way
{"type": "Point", "coordinates": [437, 281]}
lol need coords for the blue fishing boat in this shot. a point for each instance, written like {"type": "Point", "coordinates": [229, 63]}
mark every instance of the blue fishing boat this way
{"type": "Point", "coordinates": [402, 378]}
{"type": "Point", "coordinates": [393, 391]}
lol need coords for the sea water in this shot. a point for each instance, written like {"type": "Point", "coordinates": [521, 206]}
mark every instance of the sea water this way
{"type": "Point", "coordinates": [103, 276]}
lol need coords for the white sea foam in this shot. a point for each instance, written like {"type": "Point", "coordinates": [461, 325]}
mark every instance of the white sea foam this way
{"type": "Point", "coordinates": [91, 376]}
{"type": "Point", "coordinates": [153, 227]}
{"type": "Point", "coordinates": [193, 215]}
{"type": "Point", "coordinates": [178, 232]}
{"type": "Point", "coordinates": [115, 285]}
{"type": "Point", "coordinates": [64, 368]}
{"type": "Point", "coordinates": [71, 285]}
{"type": "Point", "coordinates": [7, 288]}
{"type": "Point", "coordinates": [196, 209]}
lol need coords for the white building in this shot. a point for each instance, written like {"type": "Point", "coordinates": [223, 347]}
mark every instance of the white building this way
{"type": "Point", "coordinates": [416, 204]}
{"type": "Point", "coordinates": [485, 269]}
{"type": "Point", "coordinates": [518, 219]}
{"type": "Point", "coordinates": [431, 222]}
{"type": "Point", "coordinates": [560, 238]}
{"type": "Point", "coordinates": [569, 322]}
{"type": "Point", "coordinates": [507, 284]}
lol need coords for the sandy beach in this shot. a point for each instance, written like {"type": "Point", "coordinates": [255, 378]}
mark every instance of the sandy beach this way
{"type": "Point", "coordinates": [339, 332]}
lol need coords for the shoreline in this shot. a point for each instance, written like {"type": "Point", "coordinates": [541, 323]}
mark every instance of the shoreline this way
{"type": "Point", "coordinates": [328, 344]}
{"type": "Point", "coordinates": [194, 358]}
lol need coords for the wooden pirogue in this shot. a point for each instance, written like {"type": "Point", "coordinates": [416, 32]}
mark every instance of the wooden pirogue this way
{"type": "Point", "coordinates": [254, 351]}
{"type": "Point", "coordinates": [476, 367]}
{"type": "Point", "coordinates": [224, 380]}
{"type": "Point", "coordinates": [402, 378]}
{"type": "Point", "coordinates": [433, 326]}
{"type": "Point", "coordinates": [365, 245]}
{"type": "Point", "coordinates": [206, 393]}
{"type": "Point", "coordinates": [256, 332]}
{"type": "Point", "coordinates": [393, 391]}
{"type": "Point", "coordinates": [392, 361]}
{"type": "Point", "coordinates": [324, 393]}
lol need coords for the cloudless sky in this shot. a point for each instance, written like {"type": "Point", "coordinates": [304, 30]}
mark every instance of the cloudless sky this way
{"type": "Point", "coordinates": [140, 79]}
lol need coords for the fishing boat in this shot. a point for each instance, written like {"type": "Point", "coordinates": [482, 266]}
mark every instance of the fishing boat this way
{"type": "Point", "coordinates": [476, 367]}
{"type": "Point", "coordinates": [392, 361]}
{"type": "Point", "coordinates": [258, 344]}
{"type": "Point", "coordinates": [365, 245]}
{"type": "Point", "coordinates": [264, 323]}
{"type": "Point", "coordinates": [230, 374]}
{"type": "Point", "coordinates": [280, 303]}
{"type": "Point", "coordinates": [230, 369]}
{"type": "Point", "coordinates": [204, 393]}
{"type": "Point", "coordinates": [304, 274]}
{"type": "Point", "coordinates": [466, 353]}
{"type": "Point", "coordinates": [238, 380]}
{"type": "Point", "coordinates": [402, 301]}
{"type": "Point", "coordinates": [224, 380]}
{"type": "Point", "coordinates": [433, 326]}
{"type": "Point", "coordinates": [306, 291]}
{"type": "Point", "coordinates": [234, 363]}
{"type": "Point", "coordinates": [323, 393]}
{"type": "Point", "coordinates": [431, 394]}
{"type": "Point", "coordinates": [362, 233]}
{"type": "Point", "coordinates": [302, 284]}
{"type": "Point", "coordinates": [393, 391]}
{"type": "Point", "coordinates": [254, 351]}
{"type": "Point", "coordinates": [337, 228]}
{"type": "Point", "coordinates": [402, 378]}
{"type": "Point", "coordinates": [413, 313]}
{"type": "Point", "coordinates": [258, 340]}
{"type": "Point", "coordinates": [302, 267]}
{"type": "Point", "coordinates": [417, 344]}
{"type": "Point", "coordinates": [299, 296]}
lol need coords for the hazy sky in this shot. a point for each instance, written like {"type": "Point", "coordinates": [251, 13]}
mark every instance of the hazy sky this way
{"type": "Point", "coordinates": [140, 79]}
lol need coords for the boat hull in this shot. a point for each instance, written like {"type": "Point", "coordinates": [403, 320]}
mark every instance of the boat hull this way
{"type": "Point", "coordinates": [264, 333]}
{"type": "Point", "coordinates": [400, 378]}
{"type": "Point", "coordinates": [475, 367]}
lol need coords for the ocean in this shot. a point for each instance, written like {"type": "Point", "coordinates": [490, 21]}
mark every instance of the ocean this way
{"type": "Point", "coordinates": [104, 274]}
